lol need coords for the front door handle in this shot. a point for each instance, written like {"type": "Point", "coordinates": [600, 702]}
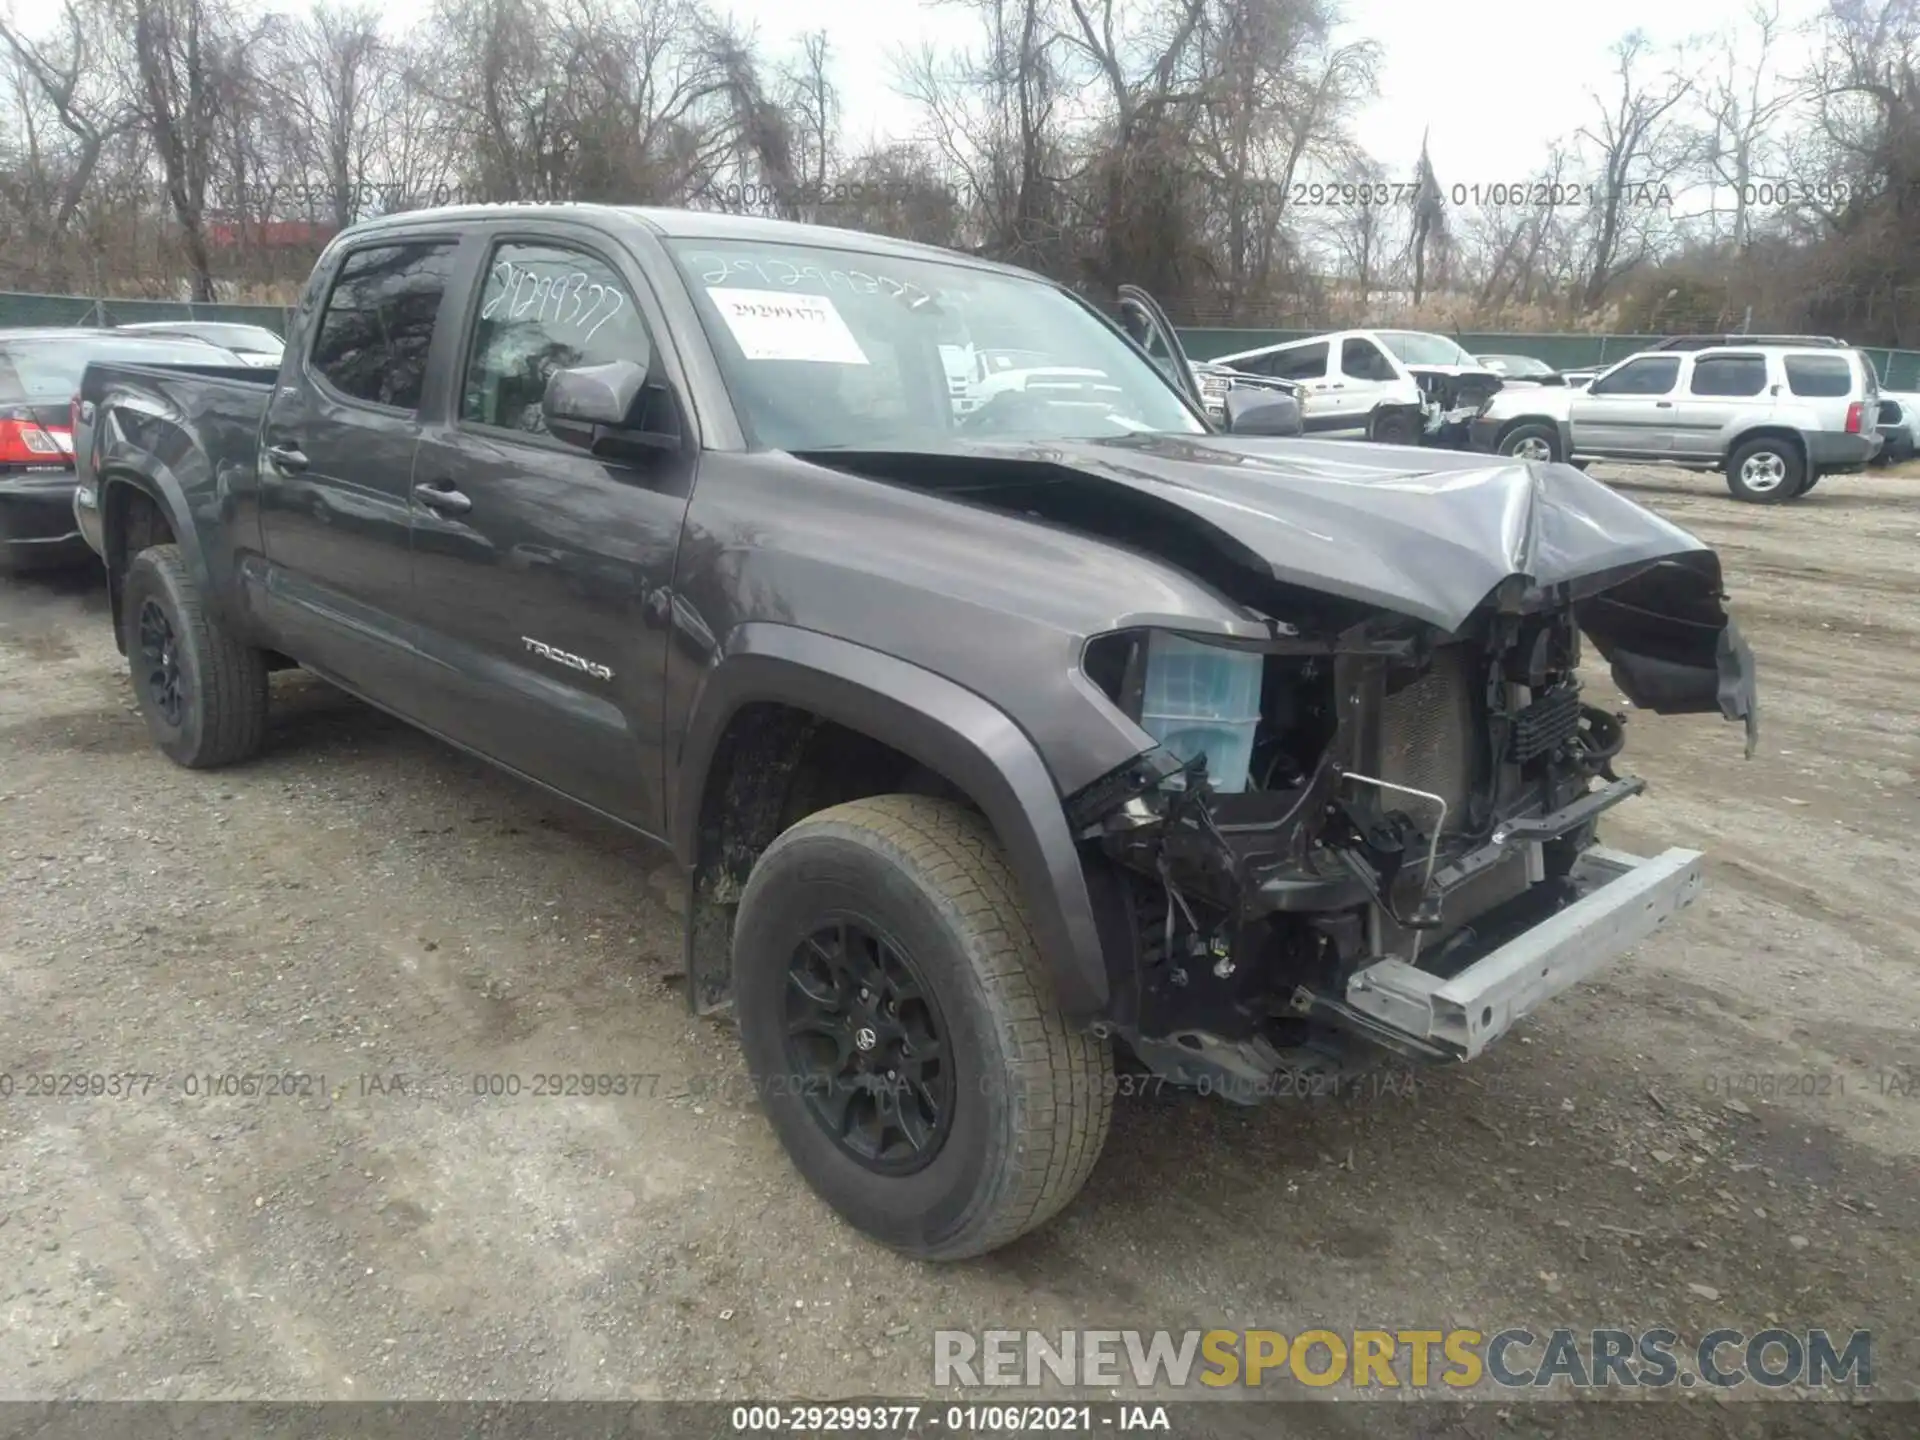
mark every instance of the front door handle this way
{"type": "Point", "coordinates": [287, 457]}
{"type": "Point", "coordinates": [442, 496]}
{"type": "Point", "coordinates": [1663, 404]}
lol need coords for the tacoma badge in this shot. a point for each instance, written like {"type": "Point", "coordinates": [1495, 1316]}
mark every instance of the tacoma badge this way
{"type": "Point", "coordinates": [561, 657]}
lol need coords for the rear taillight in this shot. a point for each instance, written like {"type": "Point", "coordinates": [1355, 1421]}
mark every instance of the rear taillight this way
{"type": "Point", "coordinates": [1856, 413]}
{"type": "Point", "coordinates": [26, 442]}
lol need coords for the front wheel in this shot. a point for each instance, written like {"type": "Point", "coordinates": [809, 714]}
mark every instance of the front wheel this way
{"type": "Point", "coordinates": [202, 692]}
{"type": "Point", "coordinates": [1396, 429]}
{"type": "Point", "coordinates": [1766, 472]}
{"type": "Point", "coordinates": [900, 1027]}
{"type": "Point", "coordinates": [1536, 443]}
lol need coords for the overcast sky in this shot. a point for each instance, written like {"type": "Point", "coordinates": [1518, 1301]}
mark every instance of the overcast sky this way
{"type": "Point", "coordinates": [1496, 81]}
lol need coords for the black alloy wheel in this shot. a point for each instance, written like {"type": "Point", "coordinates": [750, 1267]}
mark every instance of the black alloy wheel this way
{"type": "Point", "coordinates": [866, 1044]}
{"type": "Point", "coordinates": [160, 674]}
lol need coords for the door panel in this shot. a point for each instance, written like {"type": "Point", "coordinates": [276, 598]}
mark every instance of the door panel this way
{"type": "Point", "coordinates": [1629, 410]}
{"type": "Point", "coordinates": [337, 465]}
{"type": "Point", "coordinates": [1368, 377]}
{"type": "Point", "coordinates": [542, 602]}
{"type": "Point", "coordinates": [1715, 388]}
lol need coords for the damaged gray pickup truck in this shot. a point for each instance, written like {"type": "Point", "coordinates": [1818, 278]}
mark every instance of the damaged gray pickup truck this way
{"type": "Point", "coordinates": [994, 738]}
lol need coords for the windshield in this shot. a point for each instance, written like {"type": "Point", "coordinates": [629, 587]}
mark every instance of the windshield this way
{"type": "Point", "coordinates": [1516, 364]}
{"type": "Point", "coordinates": [48, 370]}
{"type": "Point", "coordinates": [834, 349]}
{"type": "Point", "coordinates": [1415, 347]}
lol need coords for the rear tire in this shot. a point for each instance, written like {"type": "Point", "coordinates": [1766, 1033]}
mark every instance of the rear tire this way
{"type": "Point", "coordinates": [899, 1023]}
{"type": "Point", "coordinates": [202, 692]}
{"type": "Point", "coordinates": [1766, 471]}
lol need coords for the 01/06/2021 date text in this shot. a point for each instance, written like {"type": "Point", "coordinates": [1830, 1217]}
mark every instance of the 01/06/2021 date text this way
{"type": "Point", "coordinates": [1473, 194]}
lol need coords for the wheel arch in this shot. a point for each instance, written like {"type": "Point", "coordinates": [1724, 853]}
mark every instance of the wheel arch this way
{"type": "Point", "coordinates": [763, 710]}
{"type": "Point", "coordinates": [131, 504]}
{"type": "Point", "coordinates": [1558, 428]}
{"type": "Point", "coordinates": [1768, 432]}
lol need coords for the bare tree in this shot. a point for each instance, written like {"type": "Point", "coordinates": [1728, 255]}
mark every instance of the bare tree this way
{"type": "Point", "coordinates": [1744, 107]}
{"type": "Point", "coordinates": [1639, 146]}
{"type": "Point", "coordinates": [65, 77]}
{"type": "Point", "coordinates": [1430, 236]}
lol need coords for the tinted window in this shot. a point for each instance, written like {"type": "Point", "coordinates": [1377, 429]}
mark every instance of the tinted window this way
{"type": "Point", "coordinates": [1729, 375]}
{"type": "Point", "coordinates": [1303, 362]}
{"type": "Point", "coordinates": [45, 370]}
{"type": "Point", "coordinates": [378, 325]}
{"type": "Point", "coordinates": [544, 309]}
{"type": "Point", "coordinates": [1819, 375]}
{"type": "Point", "coordinates": [1652, 376]}
{"type": "Point", "coordinates": [1363, 361]}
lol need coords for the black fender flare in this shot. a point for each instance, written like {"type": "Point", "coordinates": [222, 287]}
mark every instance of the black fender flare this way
{"type": "Point", "coordinates": [951, 730]}
{"type": "Point", "coordinates": [165, 492]}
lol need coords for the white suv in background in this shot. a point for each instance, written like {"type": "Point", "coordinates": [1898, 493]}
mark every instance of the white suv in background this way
{"type": "Point", "coordinates": [1773, 418]}
{"type": "Point", "coordinates": [1398, 387]}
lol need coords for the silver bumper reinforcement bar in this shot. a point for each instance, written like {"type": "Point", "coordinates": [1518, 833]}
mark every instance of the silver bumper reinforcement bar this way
{"type": "Point", "coordinates": [1626, 899]}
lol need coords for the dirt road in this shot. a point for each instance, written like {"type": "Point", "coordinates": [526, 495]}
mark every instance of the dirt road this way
{"type": "Point", "coordinates": [1725, 1130]}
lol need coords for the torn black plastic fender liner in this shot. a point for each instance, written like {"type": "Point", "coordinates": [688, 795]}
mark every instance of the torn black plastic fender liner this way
{"type": "Point", "coordinates": [1672, 647]}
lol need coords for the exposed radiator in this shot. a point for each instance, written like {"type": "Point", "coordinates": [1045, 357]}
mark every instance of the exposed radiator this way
{"type": "Point", "coordinates": [1426, 733]}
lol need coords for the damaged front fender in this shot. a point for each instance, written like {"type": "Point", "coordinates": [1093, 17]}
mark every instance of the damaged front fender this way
{"type": "Point", "coordinates": [1672, 646]}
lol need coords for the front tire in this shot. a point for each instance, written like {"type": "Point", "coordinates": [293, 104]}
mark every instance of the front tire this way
{"type": "Point", "coordinates": [1395, 430]}
{"type": "Point", "coordinates": [1532, 442]}
{"type": "Point", "coordinates": [900, 1027]}
{"type": "Point", "coordinates": [202, 692]}
{"type": "Point", "coordinates": [1766, 471]}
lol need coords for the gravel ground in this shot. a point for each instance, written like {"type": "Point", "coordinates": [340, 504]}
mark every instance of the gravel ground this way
{"type": "Point", "coordinates": [1724, 1130]}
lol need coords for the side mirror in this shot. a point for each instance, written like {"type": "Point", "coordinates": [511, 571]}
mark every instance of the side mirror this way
{"type": "Point", "coordinates": [599, 408]}
{"type": "Point", "coordinates": [1262, 412]}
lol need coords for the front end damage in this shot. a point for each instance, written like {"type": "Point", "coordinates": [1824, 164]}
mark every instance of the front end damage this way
{"type": "Point", "coordinates": [1369, 823]}
{"type": "Point", "coordinates": [1449, 399]}
{"type": "Point", "coordinates": [1408, 863]}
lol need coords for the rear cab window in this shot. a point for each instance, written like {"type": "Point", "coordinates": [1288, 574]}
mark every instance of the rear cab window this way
{"type": "Point", "coordinates": [372, 341]}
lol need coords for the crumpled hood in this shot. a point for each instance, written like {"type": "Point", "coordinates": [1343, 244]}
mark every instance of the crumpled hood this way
{"type": "Point", "coordinates": [1422, 533]}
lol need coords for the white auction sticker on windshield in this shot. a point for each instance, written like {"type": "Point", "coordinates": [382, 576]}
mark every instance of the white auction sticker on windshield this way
{"type": "Point", "coordinates": [780, 325]}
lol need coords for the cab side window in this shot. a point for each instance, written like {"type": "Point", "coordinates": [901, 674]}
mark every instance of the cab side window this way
{"type": "Point", "coordinates": [1361, 359]}
{"type": "Point", "coordinates": [543, 308]}
{"type": "Point", "coordinates": [375, 333]}
{"type": "Point", "coordinates": [1654, 375]}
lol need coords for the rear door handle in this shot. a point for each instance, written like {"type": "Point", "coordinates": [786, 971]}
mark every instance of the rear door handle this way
{"type": "Point", "coordinates": [442, 496]}
{"type": "Point", "coordinates": [287, 457]}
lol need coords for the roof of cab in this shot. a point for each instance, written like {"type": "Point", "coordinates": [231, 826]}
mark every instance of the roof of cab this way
{"type": "Point", "coordinates": [692, 225]}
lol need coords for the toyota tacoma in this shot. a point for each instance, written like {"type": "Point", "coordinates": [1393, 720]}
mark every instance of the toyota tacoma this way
{"type": "Point", "coordinates": [995, 742]}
